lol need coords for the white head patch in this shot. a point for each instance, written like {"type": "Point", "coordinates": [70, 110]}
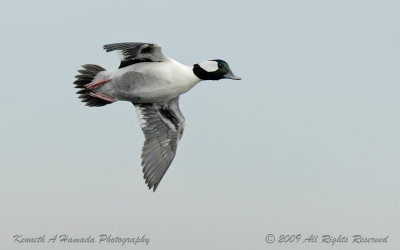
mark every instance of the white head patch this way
{"type": "Point", "coordinates": [209, 66]}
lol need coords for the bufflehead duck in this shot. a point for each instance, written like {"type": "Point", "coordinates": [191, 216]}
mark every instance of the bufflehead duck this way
{"type": "Point", "coordinates": [153, 82]}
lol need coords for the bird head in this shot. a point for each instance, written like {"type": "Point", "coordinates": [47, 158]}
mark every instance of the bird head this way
{"type": "Point", "coordinates": [214, 70]}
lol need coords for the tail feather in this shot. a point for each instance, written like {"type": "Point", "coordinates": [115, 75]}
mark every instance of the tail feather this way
{"type": "Point", "coordinates": [87, 74]}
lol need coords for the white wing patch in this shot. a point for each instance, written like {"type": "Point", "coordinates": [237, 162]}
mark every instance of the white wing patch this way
{"type": "Point", "coordinates": [209, 66]}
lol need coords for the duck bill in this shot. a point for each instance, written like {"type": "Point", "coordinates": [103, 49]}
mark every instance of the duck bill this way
{"type": "Point", "coordinates": [230, 75]}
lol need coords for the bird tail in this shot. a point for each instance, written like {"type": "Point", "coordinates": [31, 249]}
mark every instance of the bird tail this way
{"type": "Point", "coordinates": [86, 76]}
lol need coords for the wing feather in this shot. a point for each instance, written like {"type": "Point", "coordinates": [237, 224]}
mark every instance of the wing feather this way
{"type": "Point", "coordinates": [162, 125]}
{"type": "Point", "coordinates": [134, 52]}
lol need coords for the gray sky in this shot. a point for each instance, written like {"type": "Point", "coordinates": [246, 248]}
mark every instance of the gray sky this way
{"type": "Point", "coordinates": [307, 143]}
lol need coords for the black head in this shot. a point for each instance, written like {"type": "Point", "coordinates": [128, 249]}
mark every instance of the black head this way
{"type": "Point", "coordinates": [214, 70]}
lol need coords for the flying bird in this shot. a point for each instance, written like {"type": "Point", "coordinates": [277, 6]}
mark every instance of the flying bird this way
{"type": "Point", "coordinates": [153, 82]}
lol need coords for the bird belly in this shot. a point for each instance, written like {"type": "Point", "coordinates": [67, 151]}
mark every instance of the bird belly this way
{"type": "Point", "coordinates": [149, 82]}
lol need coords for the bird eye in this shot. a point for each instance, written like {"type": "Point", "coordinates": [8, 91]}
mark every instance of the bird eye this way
{"type": "Point", "coordinates": [219, 65]}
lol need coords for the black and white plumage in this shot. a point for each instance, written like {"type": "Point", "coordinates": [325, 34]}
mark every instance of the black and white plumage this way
{"type": "Point", "coordinates": [136, 52]}
{"type": "Point", "coordinates": [153, 83]}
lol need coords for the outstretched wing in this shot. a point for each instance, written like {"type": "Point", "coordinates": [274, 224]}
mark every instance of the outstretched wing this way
{"type": "Point", "coordinates": [137, 52]}
{"type": "Point", "coordinates": [162, 125]}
